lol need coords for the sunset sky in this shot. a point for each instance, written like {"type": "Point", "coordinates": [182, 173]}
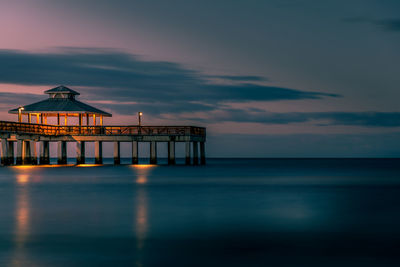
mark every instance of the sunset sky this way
{"type": "Point", "coordinates": [268, 78]}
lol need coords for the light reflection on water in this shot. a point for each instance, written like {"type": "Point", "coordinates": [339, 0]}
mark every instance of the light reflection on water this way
{"type": "Point", "coordinates": [237, 214]}
{"type": "Point", "coordinates": [22, 214]}
{"type": "Point", "coordinates": [141, 214]}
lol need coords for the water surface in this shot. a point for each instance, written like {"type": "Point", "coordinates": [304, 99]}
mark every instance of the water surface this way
{"type": "Point", "coordinates": [232, 212]}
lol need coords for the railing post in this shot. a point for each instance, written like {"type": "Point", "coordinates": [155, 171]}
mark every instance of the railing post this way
{"type": "Point", "coordinates": [135, 152]}
{"type": "Point", "coordinates": [187, 153]}
{"type": "Point", "coordinates": [117, 153]}
{"type": "Point", "coordinates": [171, 152]}
{"type": "Point", "coordinates": [153, 152]}
{"type": "Point", "coordinates": [98, 152]}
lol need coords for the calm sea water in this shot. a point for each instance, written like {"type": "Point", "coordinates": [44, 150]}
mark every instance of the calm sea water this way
{"type": "Point", "coordinates": [232, 212]}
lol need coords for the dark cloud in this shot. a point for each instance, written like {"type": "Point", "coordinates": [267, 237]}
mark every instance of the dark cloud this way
{"type": "Point", "coordinates": [18, 99]}
{"type": "Point", "coordinates": [389, 24]}
{"type": "Point", "coordinates": [368, 119]}
{"type": "Point", "coordinates": [239, 78]}
{"type": "Point", "coordinates": [392, 25]}
{"type": "Point", "coordinates": [305, 145]}
{"type": "Point", "coordinates": [105, 74]}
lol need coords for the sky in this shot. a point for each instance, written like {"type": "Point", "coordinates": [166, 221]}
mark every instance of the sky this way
{"type": "Point", "coordinates": [268, 78]}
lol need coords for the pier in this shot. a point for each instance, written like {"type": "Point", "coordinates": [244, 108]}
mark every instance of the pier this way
{"type": "Point", "coordinates": [62, 104]}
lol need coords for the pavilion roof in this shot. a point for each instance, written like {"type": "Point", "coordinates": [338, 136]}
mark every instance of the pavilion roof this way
{"type": "Point", "coordinates": [61, 89]}
{"type": "Point", "coordinates": [60, 105]}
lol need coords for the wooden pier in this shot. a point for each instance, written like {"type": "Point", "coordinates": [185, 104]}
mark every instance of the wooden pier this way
{"type": "Point", "coordinates": [62, 103]}
{"type": "Point", "coordinates": [27, 134]}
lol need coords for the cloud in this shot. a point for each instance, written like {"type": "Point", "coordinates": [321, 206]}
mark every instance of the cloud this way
{"type": "Point", "coordinates": [248, 78]}
{"type": "Point", "coordinates": [367, 119]}
{"type": "Point", "coordinates": [159, 86]}
{"type": "Point", "coordinates": [18, 99]}
{"type": "Point", "coordinates": [391, 25]}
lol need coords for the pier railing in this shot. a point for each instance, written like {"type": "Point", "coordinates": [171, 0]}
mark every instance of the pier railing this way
{"type": "Point", "coordinates": [42, 129]}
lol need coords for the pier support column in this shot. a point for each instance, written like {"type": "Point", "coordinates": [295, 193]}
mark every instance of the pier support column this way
{"type": "Point", "coordinates": [98, 152]}
{"type": "Point", "coordinates": [171, 152]}
{"type": "Point", "coordinates": [4, 152]}
{"type": "Point", "coordinates": [20, 148]}
{"type": "Point", "coordinates": [33, 153]}
{"type": "Point", "coordinates": [10, 152]}
{"type": "Point", "coordinates": [26, 153]}
{"type": "Point", "coordinates": [153, 152]}
{"type": "Point", "coordinates": [62, 152]}
{"type": "Point", "coordinates": [117, 153]}
{"type": "Point", "coordinates": [187, 153]}
{"type": "Point", "coordinates": [195, 153]}
{"type": "Point", "coordinates": [202, 153]}
{"type": "Point", "coordinates": [135, 153]}
{"type": "Point", "coordinates": [80, 152]}
{"type": "Point", "coordinates": [44, 153]}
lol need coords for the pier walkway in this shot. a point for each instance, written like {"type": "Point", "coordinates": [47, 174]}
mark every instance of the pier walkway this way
{"type": "Point", "coordinates": [26, 135]}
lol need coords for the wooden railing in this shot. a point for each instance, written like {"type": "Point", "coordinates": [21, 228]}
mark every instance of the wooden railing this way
{"type": "Point", "coordinates": [41, 129]}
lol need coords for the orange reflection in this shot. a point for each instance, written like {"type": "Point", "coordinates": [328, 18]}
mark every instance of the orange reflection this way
{"type": "Point", "coordinates": [141, 217]}
{"type": "Point", "coordinates": [141, 213]}
{"type": "Point", "coordinates": [22, 179]}
{"type": "Point", "coordinates": [88, 165]}
{"type": "Point", "coordinates": [24, 167]}
{"type": "Point", "coordinates": [143, 166]}
{"type": "Point", "coordinates": [141, 179]}
{"type": "Point", "coordinates": [41, 166]}
{"type": "Point", "coordinates": [22, 212]}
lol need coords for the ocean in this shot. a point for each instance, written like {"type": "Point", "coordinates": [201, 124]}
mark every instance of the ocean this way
{"type": "Point", "coordinates": [231, 212]}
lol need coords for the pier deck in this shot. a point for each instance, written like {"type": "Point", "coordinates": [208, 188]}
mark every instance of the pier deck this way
{"type": "Point", "coordinates": [27, 134]}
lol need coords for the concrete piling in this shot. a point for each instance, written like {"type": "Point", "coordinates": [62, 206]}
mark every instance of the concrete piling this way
{"type": "Point", "coordinates": [153, 152]}
{"type": "Point", "coordinates": [62, 152]}
{"type": "Point", "coordinates": [10, 152]}
{"type": "Point", "coordinates": [171, 152]}
{"type": "Point", "coordinates": [4, 152]}
{"type": "Point", "coordinates": [195, 153]}
{"type": "Point", "coordinates": [202, 153]}
{"type": "Point", "coordinates": [34, 158]}
{"type": "Point", "coordinates": [135, 152]}
{"type": "Point", "coordinates": [98, 152]}
{"type": "Point", "coordinates": [26, 153]}
{"type": "Point", "coordinates": [44, 153]}
{"type": "Point", "coordinates": [117, 153]}
{"type": "Point", "coordinates": [187, 153]}
{"type": "Point", "coordinates": [20, 150]}
{"type": "Point", "coordinates": [80, 152]}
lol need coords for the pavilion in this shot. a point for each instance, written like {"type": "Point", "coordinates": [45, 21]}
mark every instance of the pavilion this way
{"type": "Point", "coordinates": [61, 103]}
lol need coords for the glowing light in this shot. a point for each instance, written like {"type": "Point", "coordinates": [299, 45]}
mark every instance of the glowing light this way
{"type": "Point", "coordinates": [24, 167]}
{"type": "Point", "coordinates": [143, 166]}
{"type": "Point", "coordinates": [22, 215]}
{"type": "Point", "coordinates": [142, 179]}
{"type": "Point", "coordinates": [88, 165]}
{"type": "Point", "coordinates": [141, 219]}
{"type": "Point", "coordinates": [22, 179]}
{"type": "Point", "coordinates": [41, 166]}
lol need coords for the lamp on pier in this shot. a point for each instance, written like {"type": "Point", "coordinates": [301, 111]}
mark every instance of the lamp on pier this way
{"type": "Point", "coordinates": [20, 109]}
{"type": "Point", "coordinates": [140, 114]}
